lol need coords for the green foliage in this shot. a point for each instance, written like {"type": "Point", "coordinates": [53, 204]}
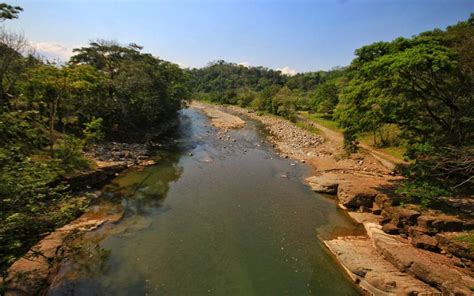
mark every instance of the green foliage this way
{"type": "Point", "coordinates": [8, 12]}
{"type": "Point", "coordinates": [421, 191]}
{"type": "Point", "coordinates": [423, 87]}
{"type": "Point", "coordinates": [22, 131]}
{"type": "Point", "coordinates": [467, 238]}
{"type": "Point", "coordinates": [325, 98]}
{"type": "Point", "coordinates": [264, 89]}
{"type": "Point", "coordinates": [138, 91]}
{"type": "Point", "coordinates": [69, 152]}
{"type": "Point", "coordinates": [27, 199]}
{"type": "Point", "coordinates": [284, 104]}
{"type": "Point", "coordinates": [221, 77]}
{"type": "Point", "coordinates": [93, 131]}
{"type": "Point", "coordinates": [105, 91]}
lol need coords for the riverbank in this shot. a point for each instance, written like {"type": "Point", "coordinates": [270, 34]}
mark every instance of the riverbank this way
{"type": "Point", "coordinates": [33, 272]}
{"type": "Point", "coordinates": [215, 216]}
{"type": "Point", "coordinates": [408, 249]}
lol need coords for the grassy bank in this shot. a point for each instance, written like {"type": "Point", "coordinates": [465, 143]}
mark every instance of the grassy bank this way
{"type": "Point", "coordinates": [367, 139]}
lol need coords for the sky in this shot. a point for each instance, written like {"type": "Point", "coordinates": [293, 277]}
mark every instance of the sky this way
{"type": "Point", "coordinates": [293, 36]}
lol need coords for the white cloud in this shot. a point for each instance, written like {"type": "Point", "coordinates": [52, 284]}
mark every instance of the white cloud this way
{"type": "Point", "coordinates": [245, 64]}
{"type": "Point", "coordinates": [287, 71]}
{"type": "Point", "coordinates": [53, 50]}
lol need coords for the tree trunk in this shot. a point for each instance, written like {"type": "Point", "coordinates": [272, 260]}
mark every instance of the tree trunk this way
{"type": "Point", "coordinates": [52, 117]}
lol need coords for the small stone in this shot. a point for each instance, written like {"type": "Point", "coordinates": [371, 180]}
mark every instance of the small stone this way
{"type": "Point", "coordinates": [391, 285]}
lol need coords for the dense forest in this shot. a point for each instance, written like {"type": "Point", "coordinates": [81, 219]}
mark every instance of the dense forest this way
{"type": "Point", "coordinates": [421, 87]}
{"type": "Point", "coordinates": [265, 89]}
{"type": "Point", "coordinates": [50, 112]}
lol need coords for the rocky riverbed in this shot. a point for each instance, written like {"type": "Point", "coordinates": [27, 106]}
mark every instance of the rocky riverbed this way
{"type": "Point", "coordinates": [129, 154]}
{"type": "Point", "coordinates": [408, 249]}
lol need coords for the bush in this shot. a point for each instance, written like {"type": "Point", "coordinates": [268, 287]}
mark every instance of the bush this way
{"type": "Point", "coordinates": [69, 152]}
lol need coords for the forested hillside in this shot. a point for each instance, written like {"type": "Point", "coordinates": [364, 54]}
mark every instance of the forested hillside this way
{"type": "Point", "coordinates": [417, 93]}
{"type": "Point", "coordinates": [49, 112]}
{"type": "Point", "coordinates": [265, 89]}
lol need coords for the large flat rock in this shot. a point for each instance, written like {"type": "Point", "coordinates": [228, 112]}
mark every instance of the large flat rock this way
{"type": "Point", "coordinates": [372, 272]}
{"type": "Point", "coordinates": [435, 269]}
{"type": "Point", "coordinates": [323, 184]}
{"type": "Point", "coordinates": [29, 274]}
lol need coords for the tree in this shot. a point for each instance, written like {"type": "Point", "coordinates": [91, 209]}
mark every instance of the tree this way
{"type": "Point", "coordinates": [326, 98]}
{"type": "Point", "coordinates": [417, 84]}
{"type": "Point", "coordinates": [12, 63]}
{"type": "Point", "coordinates": [48, 86]}
{"type": "Point", "coordinates": [8, 12]}
{"type": "Point", "coordinates": [142, 91]}
{"type": "Point", "coordinates": [284, 103]}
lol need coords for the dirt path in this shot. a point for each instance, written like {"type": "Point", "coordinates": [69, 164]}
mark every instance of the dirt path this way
{"type": "Point", "coordinates": [387, 160]}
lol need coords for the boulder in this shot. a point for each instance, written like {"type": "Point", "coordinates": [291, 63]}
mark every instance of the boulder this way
{"type": "Point", "coordinates": [390, 229]}
{"type": "Point", "coordinates": [424, 241]}
{"type": "Point", "coordinates": [457, 248]}
{"type": "Point", "coordinates": [376, 208]}
{"type": "Point", "coordinates": [448, 223]}
{"type": "Point", "coordinates": [418, 230]}
{"type": "Point", "coordinates": [426, 221]}
{"type": "Point", "coordinates": [382, 200]}
{"type": "Point", "coordinates": [355, 194]}
{"type": "Point", "coordinates": [323, 185]}
{"type": "Point", "coordinates": [404, 216]}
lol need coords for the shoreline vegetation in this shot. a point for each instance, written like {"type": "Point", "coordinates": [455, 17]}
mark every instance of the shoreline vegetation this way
{"type": "Point", "coordinates": [409, 104]}
{"type": "Point", "coordinates": [61, 125]}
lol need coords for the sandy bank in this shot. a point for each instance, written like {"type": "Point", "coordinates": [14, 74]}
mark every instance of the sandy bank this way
{"type": "Point", "coordinates": [218, 118]}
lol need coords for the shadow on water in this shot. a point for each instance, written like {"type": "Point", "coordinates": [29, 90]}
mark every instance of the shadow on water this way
{"type": "Point", "coordinates": [212, 217]}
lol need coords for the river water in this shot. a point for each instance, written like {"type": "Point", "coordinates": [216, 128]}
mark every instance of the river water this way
{"type": "Point", "coordinates": [214, 217]}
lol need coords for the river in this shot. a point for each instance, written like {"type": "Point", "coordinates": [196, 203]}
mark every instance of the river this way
{"type": "Point", "coordinates": [214, 217]}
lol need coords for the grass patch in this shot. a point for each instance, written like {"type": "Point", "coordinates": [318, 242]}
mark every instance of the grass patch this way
{"type": "Point", "coordinates": [307, 127]}
{"type": "Point", "coordinates": [322, 120]}
{"type": "Point", "coordinates": [466, 238]}
{"type": "Point", "coordinates": [367, 139]}
{"type": "Point", "coordinates": [395, 151]}
{"type": "Point", "coordinates": [398, 152]}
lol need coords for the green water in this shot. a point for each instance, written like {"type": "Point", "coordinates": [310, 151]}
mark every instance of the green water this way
{"type": "Point", "coordinates": [219, 221]}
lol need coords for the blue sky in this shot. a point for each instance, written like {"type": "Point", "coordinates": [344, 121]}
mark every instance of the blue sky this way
{"type": "Point", "coordinates": [291, 35]}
